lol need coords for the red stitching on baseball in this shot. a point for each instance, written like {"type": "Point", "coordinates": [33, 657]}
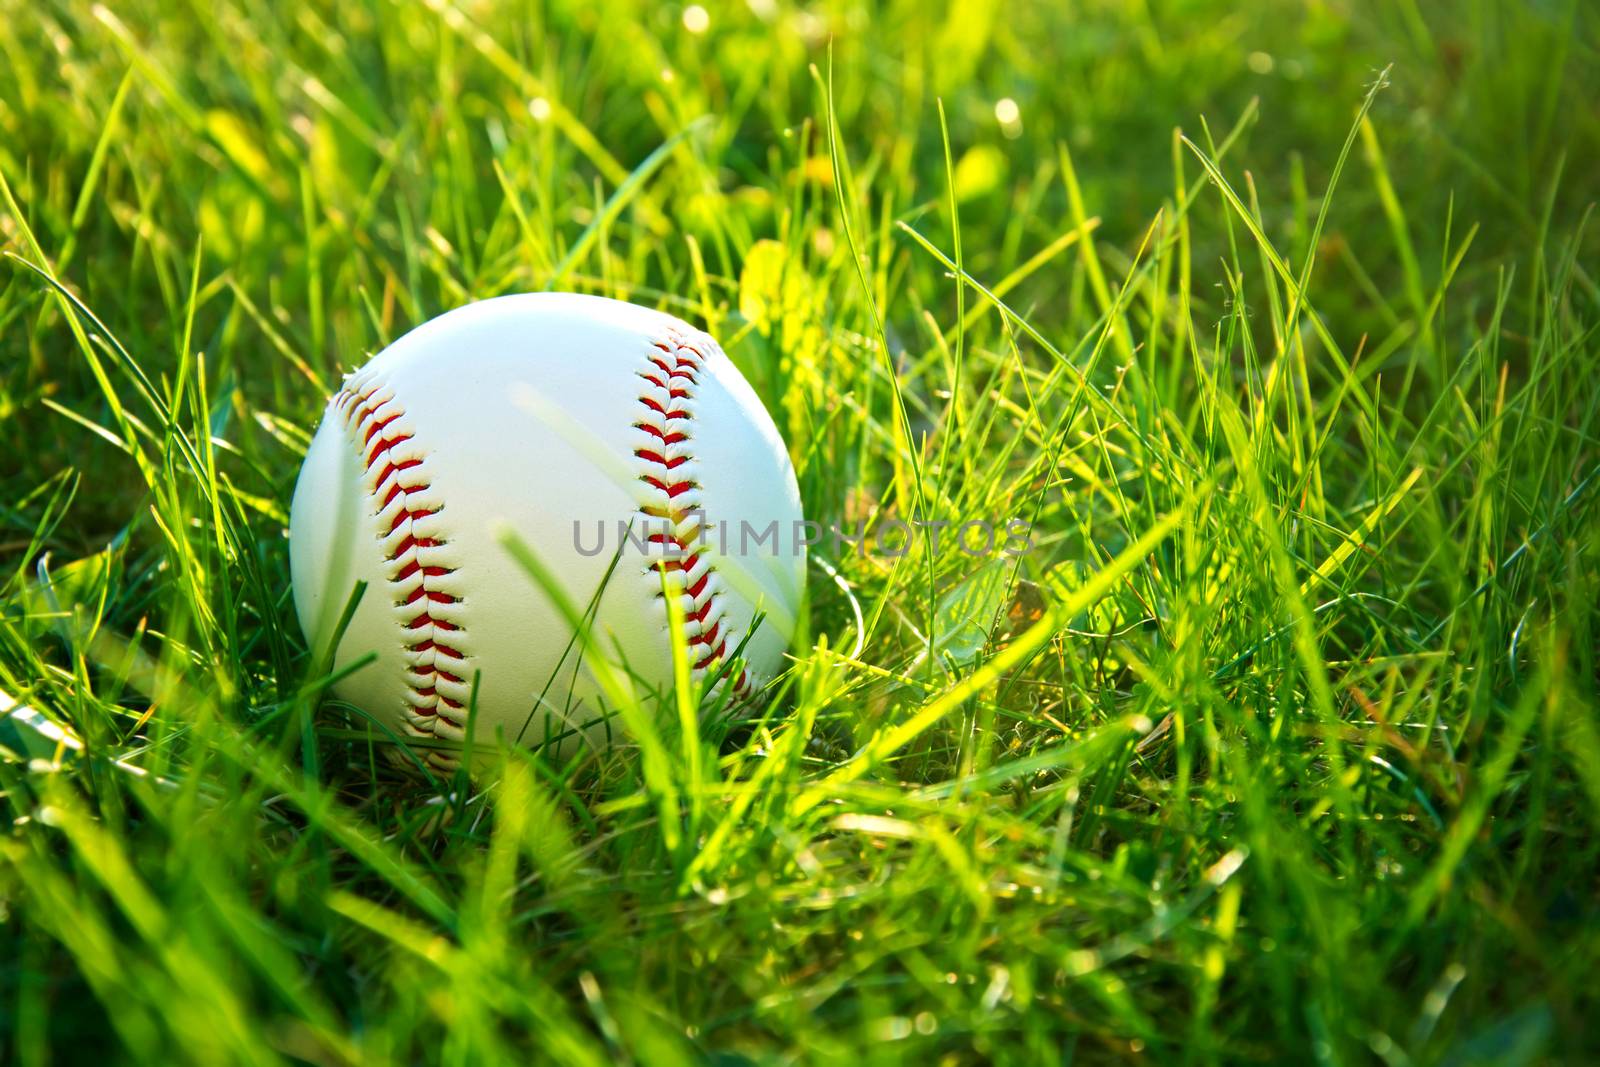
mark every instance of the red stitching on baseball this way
{"type": "Point", "coordinates": [680, 362]}
{"type": "Point", "coordinates": [377, 426]}
{"type": "Point", "coordinates": [395, 468]}
{"type": "Point", "coordinates": [369, 421]}
{"type": "Point", "coordinates": [672, 489]}
{"type": "Point", "coordinates": [659, 460]}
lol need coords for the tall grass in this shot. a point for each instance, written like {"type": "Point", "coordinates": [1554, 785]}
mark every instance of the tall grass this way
{"type": "Point", "coordinates": [1277, 324]}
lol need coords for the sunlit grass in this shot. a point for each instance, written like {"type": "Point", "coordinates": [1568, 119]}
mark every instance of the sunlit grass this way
{"type": "Point", "coordinates": [1278, 326]}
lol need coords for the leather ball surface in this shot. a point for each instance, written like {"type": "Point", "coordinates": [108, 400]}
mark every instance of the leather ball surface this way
{"type": "Point", "coordinates": [619, 445]}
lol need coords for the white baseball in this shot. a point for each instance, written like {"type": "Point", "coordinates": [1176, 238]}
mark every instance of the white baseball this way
{"type": "Point", "coordinates": [542, 415]}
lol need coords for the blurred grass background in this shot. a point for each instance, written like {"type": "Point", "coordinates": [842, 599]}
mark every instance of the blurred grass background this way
{"type": "Point", "coordinates": [1282, 746]}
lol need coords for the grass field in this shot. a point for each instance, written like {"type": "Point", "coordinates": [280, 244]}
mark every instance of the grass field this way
{"type": "Point", "coordinates": [1278, 321]}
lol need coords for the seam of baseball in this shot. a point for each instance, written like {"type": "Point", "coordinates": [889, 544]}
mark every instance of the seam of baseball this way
{"type": "Point", "coordinates": [668, 466]}
{"type": "Point", "coordinates": [421, 586]}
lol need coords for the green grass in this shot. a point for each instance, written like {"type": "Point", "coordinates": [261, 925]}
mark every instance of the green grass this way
{"type": "Point", "coordinates": [1281, 746]}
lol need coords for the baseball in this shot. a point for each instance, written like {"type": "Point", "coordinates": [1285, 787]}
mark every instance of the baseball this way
{"type": "Point", "coordinates": [614, 442]}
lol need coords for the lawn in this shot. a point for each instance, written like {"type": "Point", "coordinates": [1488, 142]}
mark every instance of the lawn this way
{"type": "Point", "coordinates": [1275, 321]}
